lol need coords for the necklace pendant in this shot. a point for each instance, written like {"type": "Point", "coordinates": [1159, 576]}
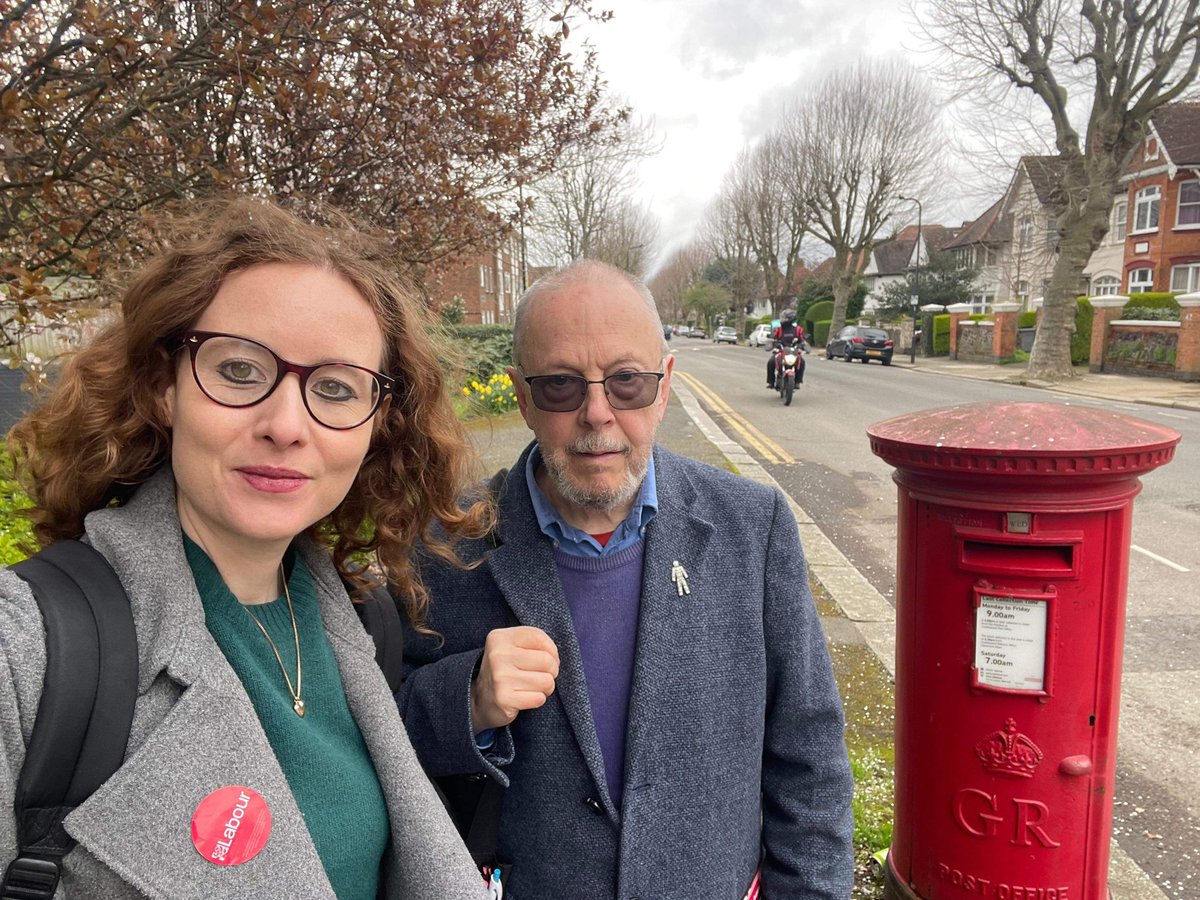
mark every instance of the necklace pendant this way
{"type": "Point", "coordinates": [298, 706]}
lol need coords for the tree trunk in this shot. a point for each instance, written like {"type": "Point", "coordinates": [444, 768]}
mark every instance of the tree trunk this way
{"type": "Point", "coordinates": [1082, 228]}
{"type": "Point", "coordinates": [843, 287]}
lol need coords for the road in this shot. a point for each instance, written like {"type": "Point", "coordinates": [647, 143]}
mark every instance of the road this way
{"type": "Point", "coordinates": [818, 451]}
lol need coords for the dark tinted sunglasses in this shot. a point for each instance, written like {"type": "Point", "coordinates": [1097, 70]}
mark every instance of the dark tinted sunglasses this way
{"type": "Point", "coordinates": [565, 393]}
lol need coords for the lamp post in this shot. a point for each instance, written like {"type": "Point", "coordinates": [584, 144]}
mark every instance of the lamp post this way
{"type": "Point", "coordinates": [916, 281]}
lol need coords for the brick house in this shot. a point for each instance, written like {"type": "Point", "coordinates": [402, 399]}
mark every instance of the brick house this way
{"type": "Point", "coordinates": [1157, 219]}
{"type": "Point", "coordinates": [488, 281]}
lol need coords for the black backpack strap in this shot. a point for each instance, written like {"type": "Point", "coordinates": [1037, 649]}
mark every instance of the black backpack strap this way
{"type": "Point", "coordinates": [381, 618]}
{"type": "Point", "coordinates": [86, 708]}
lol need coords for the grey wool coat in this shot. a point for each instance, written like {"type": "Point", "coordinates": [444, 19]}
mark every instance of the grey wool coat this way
{"type": "Point", "coordinates": [195, 730]}
{"type": "Point", "coordinates": [734, 748]}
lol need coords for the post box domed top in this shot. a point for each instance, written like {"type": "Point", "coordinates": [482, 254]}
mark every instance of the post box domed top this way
{"type": "Point", "coordinates": [1023, 439]}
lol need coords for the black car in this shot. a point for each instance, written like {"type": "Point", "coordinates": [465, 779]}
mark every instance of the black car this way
{"type": "Point", "coordinates": [862, 343]}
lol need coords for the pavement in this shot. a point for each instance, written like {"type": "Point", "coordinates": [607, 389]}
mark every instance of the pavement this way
{"type": "Point", "coordinates": [866, 616]}
{"type": "Point", "coordinates": [1148, 390]}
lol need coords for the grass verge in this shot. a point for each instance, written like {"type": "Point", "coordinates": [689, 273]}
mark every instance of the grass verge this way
{"type": "Point", "coordinates": [868, 698]}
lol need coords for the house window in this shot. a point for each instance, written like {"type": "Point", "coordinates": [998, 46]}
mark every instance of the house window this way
{"type": "Point", "coordinates": [1025, 229]}
{"type": "Point", "coordinates": [482, 277]}
{"type": "Point", "coordinates": [1051, 230]}
{"type": "Point", "coordinates": [1186, 278]}
{"type": "Point", "coordinates": [1188, 214]}
{"type": "Point", "coordinates": [981, 302]}
{"type": "Point", "coordinates": [1119, 216]}
{"type": "Point", "coordinates": [1141, 280]}
{"type": "Point", "coordinates": [1145, 209]}
{"type": "Point", "coordinates": [1105, 286]}
{"type": "Point", "coordinates": [1023, 292]}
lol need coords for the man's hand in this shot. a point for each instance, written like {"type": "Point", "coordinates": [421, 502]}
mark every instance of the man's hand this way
{"type": "Point", "coordinates": [517, 672]}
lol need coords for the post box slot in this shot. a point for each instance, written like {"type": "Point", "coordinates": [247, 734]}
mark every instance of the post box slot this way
{"type": "Point", "coordinates": [1018, 559]}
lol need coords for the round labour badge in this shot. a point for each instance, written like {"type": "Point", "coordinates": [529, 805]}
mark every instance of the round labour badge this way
{"type": "Point", "coordinates": [231, 825]}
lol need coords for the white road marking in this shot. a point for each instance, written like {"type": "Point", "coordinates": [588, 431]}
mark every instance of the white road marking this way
{"type": "Point", "coordinates": [1154, 556]}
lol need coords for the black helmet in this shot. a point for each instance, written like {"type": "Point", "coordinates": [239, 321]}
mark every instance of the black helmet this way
{"type": "Point", "coordinates": [788, 315]}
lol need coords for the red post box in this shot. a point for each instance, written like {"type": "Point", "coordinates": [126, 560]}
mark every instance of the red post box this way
{"type": "Point", "coordinates": [1013, 551]}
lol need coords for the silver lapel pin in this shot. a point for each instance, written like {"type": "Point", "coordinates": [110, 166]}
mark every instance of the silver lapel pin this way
{"type": "Point", "coordinates": [679, 575]}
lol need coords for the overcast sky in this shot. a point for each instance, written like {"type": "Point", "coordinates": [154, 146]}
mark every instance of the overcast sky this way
{"type": "Point", "coordinates": [715, 74]}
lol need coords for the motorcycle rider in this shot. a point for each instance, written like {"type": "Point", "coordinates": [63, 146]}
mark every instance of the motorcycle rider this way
{"type": "Point", "coordinates": [784, 334]}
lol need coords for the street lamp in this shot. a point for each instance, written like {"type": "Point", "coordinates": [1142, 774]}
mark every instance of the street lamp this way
{"type": "Point", "coordinates": [916, 282]}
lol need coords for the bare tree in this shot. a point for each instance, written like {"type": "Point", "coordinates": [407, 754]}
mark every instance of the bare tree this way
{"type": "Point", "coordinates": [868, 135]}
{"type": "Point", "coordinates": [767, 189]}
{"type": "Point", "coordinates": [668, 284]}
{"type": "Point", "coordinates": [1126, 59]}
{"type": "Point", "coordinates": [585, 202]}
{"type": "Point", "coordinates": [731, 251]}
{"type": "Point", "coordinates": [629, 238]}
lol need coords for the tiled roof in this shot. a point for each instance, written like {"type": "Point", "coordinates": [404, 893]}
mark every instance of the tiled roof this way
{"type": "Point", "coordinates": [990, 228]}
{"type": "Point", "coordinates": [1178, 125]}
{"type": "Point", "coordinates": [1045, 175]}
{"type": "Point", "coordinates": [892, 256]}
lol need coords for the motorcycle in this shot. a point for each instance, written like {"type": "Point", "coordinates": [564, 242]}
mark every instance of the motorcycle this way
{"type": "Point", "coordinates": [789, 369]}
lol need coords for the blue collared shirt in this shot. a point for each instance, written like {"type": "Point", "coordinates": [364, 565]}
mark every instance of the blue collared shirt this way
{"type": "Point", "coordinates": [570, 539]}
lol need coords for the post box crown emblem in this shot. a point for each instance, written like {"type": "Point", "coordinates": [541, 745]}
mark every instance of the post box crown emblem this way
{"type": "Point", "coordinates": [1008, 752]}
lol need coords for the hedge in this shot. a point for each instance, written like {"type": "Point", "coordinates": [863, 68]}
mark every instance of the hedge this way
{"type": "Point", "coordinates": [820, 311]}
{"type": "Point", "coordinates": [1081, 340]}
{"type": "Point", "coordinates": [480, 350]}
{"type": "Point", "coordinates": [1027, 319]}
{"type": "Point", "coordinates": [820, 333]}
{"type": "Point", "coordinates": [1151, 300]}
{"type": "Point", "coordinates": [941, 335]}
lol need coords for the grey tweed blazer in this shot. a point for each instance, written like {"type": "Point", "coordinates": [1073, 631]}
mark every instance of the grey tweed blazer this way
{"type": "Point", "coordinates": [734, 748]}
{"type": "Point", "coordinates": [195, 730]}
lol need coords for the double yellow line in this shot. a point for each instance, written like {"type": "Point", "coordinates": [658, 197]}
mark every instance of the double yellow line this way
{"type": "Point", "coordinates": [767, 448]}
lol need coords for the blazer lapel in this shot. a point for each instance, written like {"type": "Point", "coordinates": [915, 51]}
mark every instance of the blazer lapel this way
{"type": "Point", "coordinates": [139, 822]}
{"type": "Point", "coordinates": [524, 569]}
{"type": "Point", "coordinates": [675, 537]}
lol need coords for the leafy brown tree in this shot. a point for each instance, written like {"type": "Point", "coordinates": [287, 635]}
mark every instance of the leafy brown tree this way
{"type": "Point", "coordinates": [1117, 62]}
{"type": "Point", "coordinates": [412, 115]}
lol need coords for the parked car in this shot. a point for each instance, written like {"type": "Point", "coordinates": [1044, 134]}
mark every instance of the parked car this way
{"type": "Point", "coordinates": [760, 336]}
{"type": "Point", "coordinates": [697, 332]}
{"type": "Point", "coordinates": [725, 335]}
{"type": "Point", "coordinates": [862, 343]}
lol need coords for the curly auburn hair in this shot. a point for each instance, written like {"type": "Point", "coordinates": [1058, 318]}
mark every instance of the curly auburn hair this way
{"type": "Point", "coordinates": [103, 430]}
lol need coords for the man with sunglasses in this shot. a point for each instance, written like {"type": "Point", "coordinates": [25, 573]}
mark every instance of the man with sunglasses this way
{"type": "Point", "coordinates": [637, 656]}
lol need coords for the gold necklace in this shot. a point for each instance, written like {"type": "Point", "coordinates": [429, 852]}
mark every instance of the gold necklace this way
{"type": "Point", "coordinates": [297, 703]}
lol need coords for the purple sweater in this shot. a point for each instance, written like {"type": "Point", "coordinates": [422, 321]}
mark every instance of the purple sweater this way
{"type": "Point", "coordinates": [604, 595]}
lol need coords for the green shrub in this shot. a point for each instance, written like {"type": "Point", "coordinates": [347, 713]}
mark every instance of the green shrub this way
{"type": "Point", "coordinates": [941, 335]}
{"type": "Point", "coordinates": [16, 535]}
{"type": "Point", "coordinates": [479, 350]}
{"type": "Point", "coordinates": [977, 317]}
{"type": "Point", "coordinates": [1150, 313]}
{"type": "Point", "coordinates": [1152, 300]}
{"type": "Point", "coordinates": [820, 333]}
{"type": "Point", "coordinates": [1081, 340]}
{"type": "Point", "coordinates": [821, 310]}
{"type": "Point", "coordinates": [1027, 319]}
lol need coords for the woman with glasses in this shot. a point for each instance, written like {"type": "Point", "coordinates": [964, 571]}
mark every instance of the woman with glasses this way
{"type": "Point", "coordinates": [266, 414]}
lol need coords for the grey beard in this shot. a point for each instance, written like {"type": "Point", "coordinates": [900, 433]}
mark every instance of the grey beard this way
{"type": "Point", "coordinates": [600, 500]}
